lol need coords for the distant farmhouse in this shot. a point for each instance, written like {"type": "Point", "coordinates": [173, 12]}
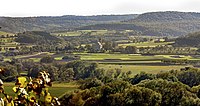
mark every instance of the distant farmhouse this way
{"type": "Point", "coordinates": [159, 40]}
{"type": "Point", "coordinates": [97, 46]}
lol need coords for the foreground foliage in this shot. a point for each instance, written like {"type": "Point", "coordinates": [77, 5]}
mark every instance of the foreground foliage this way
{"type": "Point", "coordinates": [29, 92]}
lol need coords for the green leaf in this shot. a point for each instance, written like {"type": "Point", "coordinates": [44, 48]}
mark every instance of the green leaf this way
{"type": "Point", "coordinates": [21, 81]}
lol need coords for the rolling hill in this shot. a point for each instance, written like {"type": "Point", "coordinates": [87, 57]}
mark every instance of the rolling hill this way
{"type": "Point", "coordinates": [56, 23]}
{"type": "Point", "coordinates": [170, 23]}
{"type": "Point", "coordinates": [191, 40]}
{"type": "Point", "coordinates": [166, 16]}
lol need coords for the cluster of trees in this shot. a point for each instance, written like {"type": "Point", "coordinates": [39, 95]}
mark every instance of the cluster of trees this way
{"type": "Point", "coordinates": [167, 50]}
{"type": "Point", "coordinates": [127, 49]}
{"type": "Point", "coordinates": [181, 61]}
{"type": "Point", "coordinates": [173, 88]}
{"type": "Point", "coordinates": [188, 76]}
{"type": "Point", "coordinates": [71, 58]}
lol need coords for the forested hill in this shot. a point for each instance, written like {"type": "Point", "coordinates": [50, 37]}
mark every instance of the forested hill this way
{"type": "Point", "coordinates": [168, 23]}
{"type": "Point", "coordinates": [191, 39]}
{"type": "Point", "coordinates": [36, 37]}
{"type": "Point", "coordinates": [56, 23]}
{"type": "Point", "coordinates": [167, 16]}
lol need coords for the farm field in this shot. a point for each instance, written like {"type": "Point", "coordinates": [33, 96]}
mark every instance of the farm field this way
{"type": "Point", "coordinates": [133, 57]}
{"type": "Point", "coordinates": [102, 56]}
{"type": "Point", "coordinates": [4, 33]}
{"type": "Point", "coordinates": [57, 89]}
{"type": "Point", "coordinates": [135, 69]}
{"type": "Point", "coordinates": [35, 57]}
{"type": "Point", "coordinates": [188, 57]}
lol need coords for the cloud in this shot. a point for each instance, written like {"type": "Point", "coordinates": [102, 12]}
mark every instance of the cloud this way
{"type": "Point", "coordinates": [142, 6]}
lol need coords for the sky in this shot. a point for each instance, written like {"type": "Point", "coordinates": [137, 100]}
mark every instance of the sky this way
{"type": "Point", "coordinates": [26, 8]}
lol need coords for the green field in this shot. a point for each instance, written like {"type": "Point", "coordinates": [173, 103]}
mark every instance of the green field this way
{"type": "Point", "coordinates": [129, 57]}
{"type": "Point", "coordinates": [35, 56]}
{"type": "Point", "coordinates": [103, 56]}
{"type": "Point", "coordinates": [179, 56]}
{"type": "Point", "coordinates": [135, 69]}
{"type": "Point", "coordinates": [57, 90]}
{"type": "Point", "coordinates": [5, 33]}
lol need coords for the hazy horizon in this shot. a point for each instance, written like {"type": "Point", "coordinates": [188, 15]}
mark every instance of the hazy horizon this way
{"type": "Point", "coordinates": [34, 8]}
{"type": "Point", "coordinates": [94, 15]}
